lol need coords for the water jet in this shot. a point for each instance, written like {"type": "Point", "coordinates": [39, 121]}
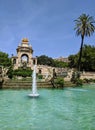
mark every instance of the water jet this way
{"type": "Point", "coordinates": [34, 86]}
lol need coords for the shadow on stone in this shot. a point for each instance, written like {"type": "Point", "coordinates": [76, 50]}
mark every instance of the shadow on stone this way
{"type": "Point", "coordinates": [1, 85]}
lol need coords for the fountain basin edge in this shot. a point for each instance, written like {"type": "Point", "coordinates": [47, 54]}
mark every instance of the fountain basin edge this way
{"type": "Point", "coordinates": [33, 95]}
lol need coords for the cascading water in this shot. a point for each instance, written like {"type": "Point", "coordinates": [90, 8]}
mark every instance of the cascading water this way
{"type": "Point", "coordinates": [34, 86]}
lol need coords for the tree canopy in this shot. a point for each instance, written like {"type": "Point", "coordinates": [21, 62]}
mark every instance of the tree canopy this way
{"type": "Point", "coordinates": [45, 60]}
{"type": "Point", "coordinates": [87, 60]}
{"type": "Point", "coordinates": [4, 59]}
{"type": "Point", "coordinates": [84, 26]}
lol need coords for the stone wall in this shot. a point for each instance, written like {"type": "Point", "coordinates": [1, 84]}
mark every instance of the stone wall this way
{"type": "Point", "coordinates": [88, 75]}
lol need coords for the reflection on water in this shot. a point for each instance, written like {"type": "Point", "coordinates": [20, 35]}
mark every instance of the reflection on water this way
{"type": "Point", "coordinates": [68, 109]}
{"type": "Point", "coordinates": [77, 89]}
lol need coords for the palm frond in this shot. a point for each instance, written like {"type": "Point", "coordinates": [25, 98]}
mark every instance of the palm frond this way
{"type": "Point", "coordinates": [84, 25]}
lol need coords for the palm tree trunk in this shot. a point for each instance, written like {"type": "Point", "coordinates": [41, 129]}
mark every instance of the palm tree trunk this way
{"type": "Point", "coordinates": [80, 54]}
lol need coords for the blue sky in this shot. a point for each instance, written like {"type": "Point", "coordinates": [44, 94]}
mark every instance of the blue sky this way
{"type": "Point", "coordinates": [48, 24]}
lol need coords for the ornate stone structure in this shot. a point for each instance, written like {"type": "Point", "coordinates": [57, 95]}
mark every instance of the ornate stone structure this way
{"type": "Point", "coordinates": [24, 59]}
{"type": "Point", "coordinates": [24, 56]}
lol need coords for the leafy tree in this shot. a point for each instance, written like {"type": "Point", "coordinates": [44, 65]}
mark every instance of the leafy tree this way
{"type": "Point", "coordinates": [73, 61]}
{"type": "Point", "coordinates": [87, 60]}
{"type": "Point", "coordinates": [84, 26]}
{"type": "Point", "coordinates": [5, 60]}
{"type": "Point", "coordinates": [45, 60]}
{"type": "Point", "coordinates": [60, 64]}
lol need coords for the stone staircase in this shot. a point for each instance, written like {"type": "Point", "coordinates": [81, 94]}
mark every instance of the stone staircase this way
{"type": "Point", "coordinates": [23, 84]}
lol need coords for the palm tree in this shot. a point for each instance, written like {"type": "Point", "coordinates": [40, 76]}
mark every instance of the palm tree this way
{"type": "Point", "coordinates": [84, 26]}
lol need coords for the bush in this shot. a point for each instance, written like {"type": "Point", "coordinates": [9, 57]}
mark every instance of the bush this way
{"type": "Point", "coordinates": [59, 82]}
{"type": "Point", "coordinates": [23, 72]}
{"type": "Point", "coordinates": [91, 80]}
{"type": "Point", "coordinates": [76, 78]}
{"type": "Point", "coordinates": [94, 80]}
{"type": "Point", "coordinates": [79, 82]}
{"type": "Point", "coordinates": [10, 73]}
{"type": "Point", "coordinates": [40, 76]}
{"type": "Point", "coordinates": [86, 80]}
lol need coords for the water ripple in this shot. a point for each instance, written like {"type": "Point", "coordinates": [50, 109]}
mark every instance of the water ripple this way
{"type": "Point", "coordinates": [68, 109]}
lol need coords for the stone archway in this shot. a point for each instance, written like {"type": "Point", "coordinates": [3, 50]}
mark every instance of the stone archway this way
{"type": "Point", "coordinates": [24, 58]}
{"type": "Point", "coordinates": [24, 55]}
{"type": "Point", "coordinates": [14, 61]}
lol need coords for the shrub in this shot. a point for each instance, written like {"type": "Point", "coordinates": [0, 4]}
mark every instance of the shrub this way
{"type": "Point", "coordinates": [94, 80]}
{"type": "Point", "coordinates": [86, 80]}
{"type": "Point", "coordinates": [91, 80]}
{"type": "Point", "coordinates": [59, 82]}
{"type": "Point", "coordinates": [79, 82]}
{"type": "Point", "coordinates": [22, 72]}
{"type": "Point", "coordinates": [76, 78]}
{"type": "Point", "coordinates": [10, 73]}
{"type": "Point", "coordinates": [40, 76]}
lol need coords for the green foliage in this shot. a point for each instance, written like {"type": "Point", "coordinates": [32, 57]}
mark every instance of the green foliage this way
{"type": "Point", "coordinates": [88, 80]}
{"type": "Point", "coordinates": [59, 82]}
{"type": "Point", "coordinates": [94, 80]}
{"type": "Point", "coordinates": [22, 72]}
{"type": "Point", "coordinates": [39, 76]}
{"type": "Point", "coordinates": [10, 72]}
{"type": "Point", "coordinates": [60, 64]}
{"type": "Point", "coordinates": [79, 82]}
{"type": "Point", "coordinates": [5, 60]}
{"type": "Point", "coordinates": [87, 60]}
{"type": "Point", "coordinates": [84, 26]}
{"type": "Point", "coordinates": [73, 61]}
{"type": "Point", "coordinates": [76, 78]}
{"type": "Point", "coordinates": [45, 60]}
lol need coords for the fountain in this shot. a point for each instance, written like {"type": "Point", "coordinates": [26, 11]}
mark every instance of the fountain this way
{"type": "Point", "coordinates": [34, 86]}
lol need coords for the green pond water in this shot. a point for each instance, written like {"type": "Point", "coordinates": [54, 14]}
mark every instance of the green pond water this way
{"type": "Point", "coordinates": [55, 109]}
